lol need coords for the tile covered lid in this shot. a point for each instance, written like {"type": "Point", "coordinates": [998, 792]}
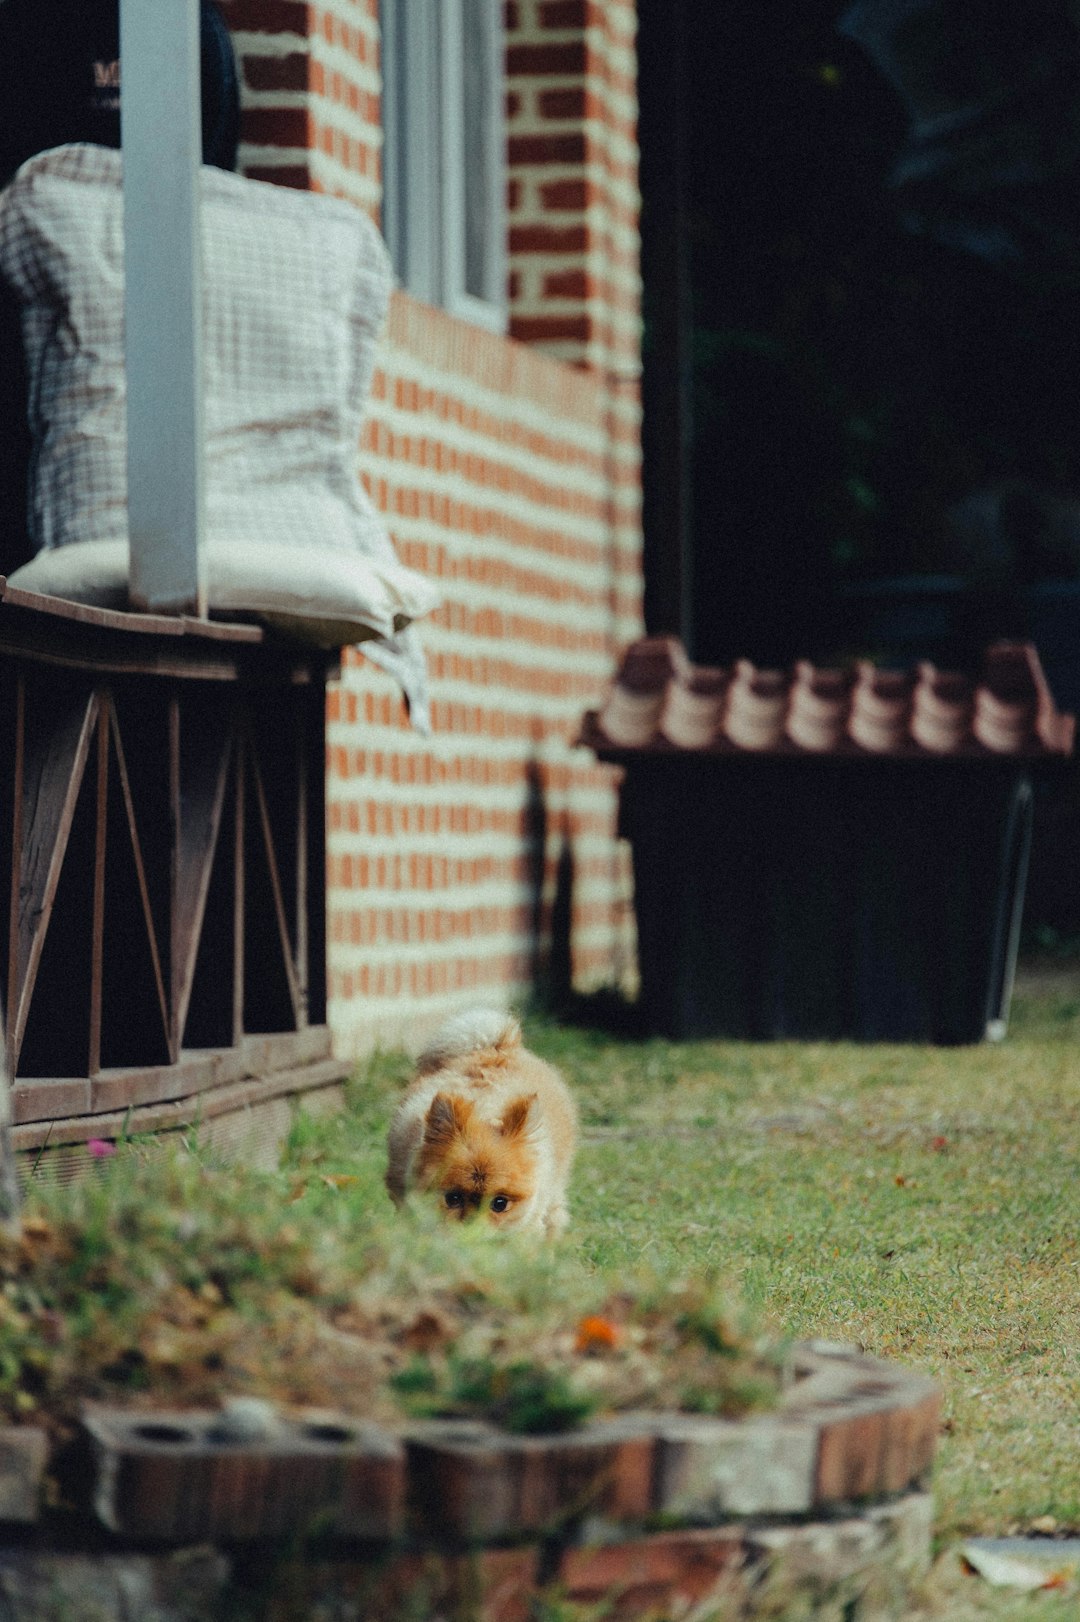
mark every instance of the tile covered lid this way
{"type": "Point", "coordinates": [660, 702]}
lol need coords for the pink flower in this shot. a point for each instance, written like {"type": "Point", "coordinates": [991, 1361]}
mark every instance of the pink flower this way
{"type": "Point", "coordinates": [99, 1148]}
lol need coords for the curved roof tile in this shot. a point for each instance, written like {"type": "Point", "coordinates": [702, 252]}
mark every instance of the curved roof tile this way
{"type": "Point", "coordinates": [660, 702]}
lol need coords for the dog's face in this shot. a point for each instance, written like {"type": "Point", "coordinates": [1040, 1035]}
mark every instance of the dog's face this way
{"type": "Point", "coordinates": [477, 1169]}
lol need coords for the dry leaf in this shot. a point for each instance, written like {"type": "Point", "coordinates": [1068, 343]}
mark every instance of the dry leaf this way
{"type": "Point", "coordinates": [596, 1334]}
{"type": "Point", "coordinates": [428, 1330]}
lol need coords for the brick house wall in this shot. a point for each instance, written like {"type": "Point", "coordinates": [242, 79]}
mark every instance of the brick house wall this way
{"type": "Point", "coordinates": [509, 470]}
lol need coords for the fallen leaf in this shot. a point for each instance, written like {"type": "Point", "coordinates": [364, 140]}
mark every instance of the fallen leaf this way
{"type": "Point", "coordinates": [596, 1334]}
{"type": "Point", "coordinates": [428, 1330]}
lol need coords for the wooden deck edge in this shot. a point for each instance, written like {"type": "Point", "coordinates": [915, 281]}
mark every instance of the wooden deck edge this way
{"type": "Point", "coordinates": [180, 1113]}
{"type": "Point", "coordinates": [198, 1070]}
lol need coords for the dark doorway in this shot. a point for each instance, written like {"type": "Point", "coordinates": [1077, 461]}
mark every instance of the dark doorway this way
{"type": "Point", "coordinates": [861, 248]}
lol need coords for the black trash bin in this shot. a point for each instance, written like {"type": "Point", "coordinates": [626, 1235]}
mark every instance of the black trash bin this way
{"type": "Point", "coordinates": [830, 893]}
{"type": "Point", "coordinates": [793, 897]}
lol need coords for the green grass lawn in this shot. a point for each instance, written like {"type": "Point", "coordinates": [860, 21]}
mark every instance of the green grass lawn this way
{"type": "Point", "coordinates": [922, 1202]}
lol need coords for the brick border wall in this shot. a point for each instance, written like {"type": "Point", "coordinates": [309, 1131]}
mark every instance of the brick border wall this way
{"type": "Point", "coordinates": [863, 1566]}
{"type": "Point", "coordinates": [513, 476]}
{"type": "Point", "coordinates": [849, 1428]}
{"type": "Point", "coordinates": [821, 1495]}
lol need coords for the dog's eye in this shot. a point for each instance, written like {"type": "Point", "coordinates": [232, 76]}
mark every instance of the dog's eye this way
{"type": "Point", "coordinates": [500, 1203]}
{"type": "Point", "coordinates": [454, 1198]}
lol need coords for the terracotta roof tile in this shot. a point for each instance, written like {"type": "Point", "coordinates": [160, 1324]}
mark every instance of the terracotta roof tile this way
{"type": "Point", "coordinates": [660, 702]}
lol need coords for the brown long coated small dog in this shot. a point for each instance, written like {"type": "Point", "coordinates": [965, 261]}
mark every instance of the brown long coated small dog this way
{"type": "Point", "coordinates": [485, 1127]}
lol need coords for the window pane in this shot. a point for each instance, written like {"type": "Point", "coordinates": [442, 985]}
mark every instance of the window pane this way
{"type": "Point", "coordinates": [444, 155]}
{"type": "Point", "coordinates": [483, 143]}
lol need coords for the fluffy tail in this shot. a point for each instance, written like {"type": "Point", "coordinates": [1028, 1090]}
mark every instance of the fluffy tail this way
{"type": "Point", "coordinates": [475, 1030]}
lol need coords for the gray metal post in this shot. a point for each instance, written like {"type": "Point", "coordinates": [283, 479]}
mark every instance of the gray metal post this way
{"type": "Point", "coordinates": [162, 147]}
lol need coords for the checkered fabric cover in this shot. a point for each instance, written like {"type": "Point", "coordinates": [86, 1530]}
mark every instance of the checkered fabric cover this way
{"type": "Point", "coordinates": [295, 290]}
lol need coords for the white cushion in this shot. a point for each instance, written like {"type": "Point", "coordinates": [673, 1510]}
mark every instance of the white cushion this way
{"type": "Point", "coordinates": [295, 289]}
{"type": "Point", "coordinates": [340, 598]}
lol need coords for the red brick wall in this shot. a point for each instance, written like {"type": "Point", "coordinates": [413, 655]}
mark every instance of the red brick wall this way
{"type": "Point", "coordinates": [511, 475]}
{"type": "Point", "coordinates": [575, 285]}
{"type": "Point", "coordinates": [572, 153]}
{"type": "Point", "coordinates": [310, 91]}
{"type": "Point", "coordinates": [490, 463]}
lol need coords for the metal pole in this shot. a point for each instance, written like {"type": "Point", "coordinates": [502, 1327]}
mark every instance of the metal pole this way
{"type": "Point", "coordinates": [162, 148]}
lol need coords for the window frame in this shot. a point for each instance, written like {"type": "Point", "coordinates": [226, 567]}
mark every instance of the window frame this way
{"type": "Point", "coordinates": [424, 156]}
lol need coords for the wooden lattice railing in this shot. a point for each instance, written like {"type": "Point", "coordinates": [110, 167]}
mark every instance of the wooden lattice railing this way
{"type": "Point", "coordinates": [161, 825]}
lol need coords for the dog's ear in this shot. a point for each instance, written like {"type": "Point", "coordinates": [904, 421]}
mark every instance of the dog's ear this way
{"type": "Point", "coordinates": [447, 1116]}
{"type": "Point", "coordinates": [518, 1115]}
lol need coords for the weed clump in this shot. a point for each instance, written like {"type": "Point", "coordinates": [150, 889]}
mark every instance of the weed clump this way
{"type": "Point", "coordinates": [162, 1278]}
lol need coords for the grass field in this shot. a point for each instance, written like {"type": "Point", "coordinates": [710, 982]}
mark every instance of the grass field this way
{"type": "Point", "coordinates": [922, 1202]}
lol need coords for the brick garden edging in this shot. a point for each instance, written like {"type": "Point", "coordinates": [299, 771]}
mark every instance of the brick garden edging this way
{"type": "Point", "coordinates": [479, 1519]}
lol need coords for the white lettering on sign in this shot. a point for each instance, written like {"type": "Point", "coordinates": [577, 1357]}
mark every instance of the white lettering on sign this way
{"type": "Point", "coordinates": [105, 96]}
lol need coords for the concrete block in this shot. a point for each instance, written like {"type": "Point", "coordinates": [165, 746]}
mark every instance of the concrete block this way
{"type": "Point", "coordinates": [665, 1574]}
{"type": "Point", "coordinates": [179, 1476]}
{"type": "Point", "coordinates": [23, 1452]}
{"type": "Point", "coordinates": [711, 1468]}
{"type": "Point", "coordinates": [470, 1481]}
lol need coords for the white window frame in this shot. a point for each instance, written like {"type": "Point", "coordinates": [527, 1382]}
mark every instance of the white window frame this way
{"type": "Point", "coordinates": [424, 155]}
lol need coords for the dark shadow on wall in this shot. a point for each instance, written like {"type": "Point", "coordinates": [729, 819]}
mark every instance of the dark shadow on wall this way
{"type": "Point", "coordinates": [552, 924]}
{"type": "Point", "coordinates": [560, 966]}
{"type": "Point", "coordinates": [607, 1009]}
{"type": "Point", "coordinates": [551, 915]}
{"type": "Point", "coordinates": [534, 839]}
